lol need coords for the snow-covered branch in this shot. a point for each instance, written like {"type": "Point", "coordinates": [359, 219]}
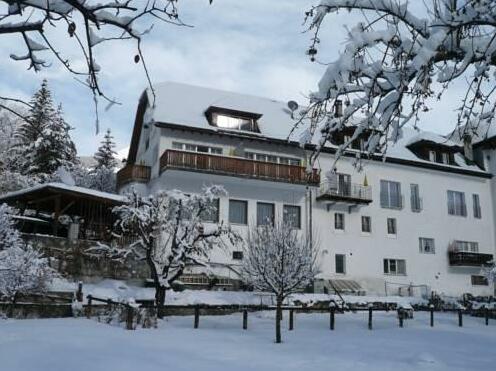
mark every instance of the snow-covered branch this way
{"type": "Point", "coordinates": [87, 24]}
{"type": "Point", "coordinates": [394, 62]}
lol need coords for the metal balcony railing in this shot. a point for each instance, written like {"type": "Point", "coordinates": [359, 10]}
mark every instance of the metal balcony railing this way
{"type": "Point", "coordinates": [468, 259]}
{"type": "Point", "coordinates": [347, 192]}
{"type": "Point", "coordinates": [237, 166]}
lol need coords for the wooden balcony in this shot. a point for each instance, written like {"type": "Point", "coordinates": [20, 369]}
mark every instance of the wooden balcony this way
{"type": "Point", "coordinates": [468, 259]}
{"type": "Point", "coordinates": [133, 173]}
{"type": "Point", "coordinates": [349, 194]}
{"type": "Point", "coordinates": [236, 166]}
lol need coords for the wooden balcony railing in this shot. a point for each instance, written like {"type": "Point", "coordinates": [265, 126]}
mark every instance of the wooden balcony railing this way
{"type": "Point", "coordinates": [236, 166]}
{"type": "Point", "coordinates": [133, 173]}
{"type": "Point", "coordinates": [468, 259]}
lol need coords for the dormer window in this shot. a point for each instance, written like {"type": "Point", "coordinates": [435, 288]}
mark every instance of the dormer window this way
{"type": "Point", "coordinates": [229, 119]}
{"type": "Point", "coordinates": [434, 152]}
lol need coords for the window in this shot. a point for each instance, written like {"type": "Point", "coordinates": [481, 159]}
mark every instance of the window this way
{"type": "Point", "coordinates": [233, 122]}
{"type": "Point", "coordinates": [238, 212]}
{"type": "Point", "coordinates": [395, 266]}
{"type": "Point", "coordinates": [479, 280]}
{"type": "Point", "coordinates": [340, 263]}
{"type": "Point", "coordinates": [415, 198]}
{"type": "Point", "coordinates": [237, 255]}
{"type": "Point", "coordinates": [426, 245]}
{"type": "Point", "coordinates": [212, 214]}
{"type": "Point", "coordinates": [445, 158]}
{"type": "Point", "coordinates": [477, 207]}
{"type": "Point", "coordinates": [391, 226]}
{"type": "Point", "coordinates": [391, 195]}
{"type": "Point", "coordinates": [456, 203]}
{"type": "Point", "coordinates": [196, 148]}
{"type": "Point", "coordinates": [466, 246]}
{"type": "Point", "coordinates": [272, 158]}
{"type": "Point", "coordinates": [265, 213]}
{"type": "Point", "coordinates": [339, 221]}
{"type": "Point", "coordinates": [292, 216]}
{"type": "Point", "coordinates": [432, 156]}
{"type": "Point", "coordinates": [366, 224]}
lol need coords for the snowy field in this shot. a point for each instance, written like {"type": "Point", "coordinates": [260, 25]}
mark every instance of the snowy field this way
{"type": "Point", "coordinates": [220, 344]}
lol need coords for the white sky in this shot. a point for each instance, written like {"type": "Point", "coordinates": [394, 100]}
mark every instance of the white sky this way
{"type": "Point", "coordinates": [249, 46]}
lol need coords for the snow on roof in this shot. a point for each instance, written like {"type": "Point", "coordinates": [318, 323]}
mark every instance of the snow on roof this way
{"type": "Point", "coordinates": [65, 187]}
{"type": "Point", "coordinates": [479, 132]}
{"type": "Point", "coordinates": [183, 104]}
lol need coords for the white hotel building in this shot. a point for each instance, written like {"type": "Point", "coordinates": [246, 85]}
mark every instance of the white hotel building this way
{"type": "Point", "coordinates": [421, 220]}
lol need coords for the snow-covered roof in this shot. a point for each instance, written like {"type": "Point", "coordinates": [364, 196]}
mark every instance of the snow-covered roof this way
{"type": "Point", "coordinates": [64, 187]}
{"type": "Point", "coordinates": [479, 132]}
{"type": "Point", "coordinates": [185, 105]}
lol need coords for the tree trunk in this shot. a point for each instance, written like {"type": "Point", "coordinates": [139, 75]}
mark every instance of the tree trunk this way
{"type": "Point", "coordinates": [278, 320]}
{"type": "Point", "coordinates": [160, 300]}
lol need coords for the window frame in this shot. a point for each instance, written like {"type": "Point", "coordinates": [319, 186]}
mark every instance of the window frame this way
{"type": "Point", "coordinates": [273, 206]}
{"type": "Point", "coordinates": [284, 215]}
{"type": "Point", "coordinates": [476, 206]}
{"type": "Point", "coordinates": [343, 263]}
{"type": "Point", "coordinates": [387, 201]}
{"type": "Point", "coordinates": [399, 264]}
{"type": "Point", "coordinates": [422, 249]}
{"type": "Point", "coordinates": [369, 224]}
{"type": "Point", "coordinates": [453, 208]}
{"type": "Point", "coordinates": [341, 222]}
{"type": "Point", "coordinates": [245, 202]}
{"type": "Point", "coordinates": [217, 214]}
{"type": "Point", "coordinates": [188, 147]}
{"type": "Point", "coordinates": [415, 199]}
{"type": "Point", "coordinates": [237, 255]}
{"type": "Point", "coordinates": [394, 224]}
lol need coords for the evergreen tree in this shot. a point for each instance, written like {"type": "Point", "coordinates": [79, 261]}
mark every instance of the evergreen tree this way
{"type": "Point", "coordinates": [105, 155]}
{"type": "Point", "coordinates": [44, 140]}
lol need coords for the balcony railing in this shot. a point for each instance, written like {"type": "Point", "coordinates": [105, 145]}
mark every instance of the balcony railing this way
{"type": "Point", "coordinates": [468, 259]}
{"type": "Point", "coordinates": [346, 193]}
{"type": "Point", "coordinates": [236, 166]}
{"type": "Point", "coordinates": [133, 173]}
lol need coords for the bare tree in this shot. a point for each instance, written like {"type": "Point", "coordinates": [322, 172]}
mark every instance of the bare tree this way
{"type": "Point", "coordinates": [395, 61]}
{"type": "Point", "coordinates": [278, 259]}
{"type": "Point", "coordinates": [173, 230]}
{"type": "Point", "coordinates": [87, 24]}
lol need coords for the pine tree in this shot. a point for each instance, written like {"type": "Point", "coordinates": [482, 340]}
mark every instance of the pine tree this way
{"type": "Point", "coordinates": [44, 140]}
{"type": "Point", "coordinates": [105, 155]}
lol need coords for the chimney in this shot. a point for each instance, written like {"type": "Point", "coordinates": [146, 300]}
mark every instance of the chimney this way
{"type": "Point", "coordinates": [467, 147]}
{"type": "Point", "coordinates": [338, 108]}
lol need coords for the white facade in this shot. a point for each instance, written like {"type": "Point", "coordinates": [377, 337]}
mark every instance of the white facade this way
{"type": "Point", "coordinates": [182, 127]}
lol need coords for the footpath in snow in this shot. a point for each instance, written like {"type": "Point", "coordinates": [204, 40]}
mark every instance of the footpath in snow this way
{"type": "Point", "coordinates": [220, 344]}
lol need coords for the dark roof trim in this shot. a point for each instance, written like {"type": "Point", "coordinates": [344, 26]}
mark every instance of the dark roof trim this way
{"type": "Point", "coordinates": [138, 125]}
{"type": "Point", "coordinates": [392, 160]}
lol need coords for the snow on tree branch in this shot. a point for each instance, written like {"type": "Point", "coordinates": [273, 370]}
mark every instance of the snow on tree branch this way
{"type": "Point", "coordinates": [172, 229]}
{"type": "Point", "coordinates": [86, 23]}
{"type": "Point", "coordinates": [395, 61]}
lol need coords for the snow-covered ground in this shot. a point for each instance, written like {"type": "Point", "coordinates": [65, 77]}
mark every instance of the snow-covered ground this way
{"type": "Point", "coordinates": [220, 344]}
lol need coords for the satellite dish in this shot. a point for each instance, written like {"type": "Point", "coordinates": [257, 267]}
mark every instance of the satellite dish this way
{"type": "Point", "coordinates": [292, 105]}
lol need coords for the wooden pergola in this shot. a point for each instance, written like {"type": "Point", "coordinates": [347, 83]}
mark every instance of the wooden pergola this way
{"type": "Point", "coordinates": [90, 209]}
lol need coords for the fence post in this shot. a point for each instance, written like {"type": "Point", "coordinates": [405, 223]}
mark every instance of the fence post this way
{"type": "Point", "coordinates": [197, 316]}
{"type": "Point", "coordinates": [370, 316]}
{"type": "Point", "coordinates": [460, 318]}
{"type": "Point", "coordinates": [245, 319]}
{"type": "Point", "coordinates": [332, 308]}
{"type": "Point", "coordinates": [431, 309]}
{"type": "Point", "coordinates": [79, 292]}
{"type": "Point", "coordinates": [88, 307]}
{"type": "Point", "coordinates": [486, 314]}
{"type": "Point", "coordinates": [129, 317]}
{"type": "Point", "coordinates": [291, 319]}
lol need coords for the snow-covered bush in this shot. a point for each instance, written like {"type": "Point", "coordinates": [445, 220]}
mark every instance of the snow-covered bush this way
{"type": "Point", "coordinates": [403, 55]}
{"type": "Point", "coordinates": [173, 230]}
{"type": "Point", "coordinates": [279, 259]}
{"type": "Point", "coordinates": [23, 269]}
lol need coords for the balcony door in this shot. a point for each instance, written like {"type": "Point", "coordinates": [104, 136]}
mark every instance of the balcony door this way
{"type": "Point", "coordinates": [344, 184]}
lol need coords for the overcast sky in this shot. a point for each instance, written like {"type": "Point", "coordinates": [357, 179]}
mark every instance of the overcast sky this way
{"type": "Point", "coordinates": [255, 46]}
